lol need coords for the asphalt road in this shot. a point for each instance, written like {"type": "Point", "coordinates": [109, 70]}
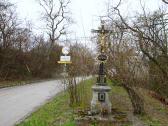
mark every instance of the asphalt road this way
{"type": "Point", "coordinates": [18, 102]}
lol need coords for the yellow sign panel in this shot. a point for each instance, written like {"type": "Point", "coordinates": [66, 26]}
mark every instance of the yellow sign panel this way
{"type": "Point", "coordinates": [65, 62]}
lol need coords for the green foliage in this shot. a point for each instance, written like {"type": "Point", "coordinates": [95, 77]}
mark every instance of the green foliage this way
{"type": "Point", "coordinates": [85, 93]}
{"type": "Point", "coordinates": [113, 82]}
{"type": "Point", "coordinates": [52, 113]}
{"type": "Point", "coordinates": [71, 123]}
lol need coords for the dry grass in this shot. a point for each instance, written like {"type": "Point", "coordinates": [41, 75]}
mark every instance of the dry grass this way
{"type": "Point", "coordinates": [155, 111]}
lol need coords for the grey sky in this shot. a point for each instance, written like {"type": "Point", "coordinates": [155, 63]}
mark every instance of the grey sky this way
{"type": "Point", "coordinates": [84, 12]}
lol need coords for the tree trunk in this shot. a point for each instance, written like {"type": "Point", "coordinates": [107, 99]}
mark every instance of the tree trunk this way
{"type": "Point", "coordinates": [136, 100]}
{"type": "Point", "coordinates": [75, 91]}
{"type": "Point", "coordinates": [72, 88]}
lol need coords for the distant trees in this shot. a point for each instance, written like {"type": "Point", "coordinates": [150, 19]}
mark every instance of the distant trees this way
{"type": "Point", "coordinates": [22, 38]}
{"type": "Point", "coordinates": [22, 54]}
{"type": "Point", "coordinates": [8, 23]}
{"type": "Point", "coordinates": [81, 56]}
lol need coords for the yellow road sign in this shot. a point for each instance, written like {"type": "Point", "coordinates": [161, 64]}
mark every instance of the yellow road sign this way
{"type": "Point", "coordinates": [65, 62]}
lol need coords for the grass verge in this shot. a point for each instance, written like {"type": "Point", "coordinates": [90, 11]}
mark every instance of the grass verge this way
{"type": "Point", "coordinates": [58, 113]}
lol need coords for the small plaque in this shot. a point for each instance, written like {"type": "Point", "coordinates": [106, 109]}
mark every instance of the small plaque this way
{"type": "Point", "coordinates": [65, 58]}
{"type": "Point", "coordinates": [101, 97]}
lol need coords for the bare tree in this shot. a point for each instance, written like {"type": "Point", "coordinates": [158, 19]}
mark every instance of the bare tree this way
{"type": "Point", "coordinates": [165, 1]}
{"type": "Point", "coordinates": [23, 54]}
{"type": "Point", "coordinates": [150, 33]}
{"type": "Point", "coordinates": [7, 23]}
{"type": "Point", "coordinates": [125, 64]}
{"type": "Point", "coordinates": [82, 66]}
{"type": "Point", "coordinates": [22, 39]}
{"type": "Point", "coordinates": [56, 19]}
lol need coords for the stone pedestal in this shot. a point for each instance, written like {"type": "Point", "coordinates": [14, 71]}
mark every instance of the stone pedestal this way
{"type": "Point", "coordinates": [100, 101]}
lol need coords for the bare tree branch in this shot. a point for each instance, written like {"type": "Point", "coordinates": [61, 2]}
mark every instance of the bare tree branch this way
{"type": "Point", "coordinates": [56, 19]}
{"type": "Point", "coordinates": [136, 29]}
{"type": "Point", "coordinates": [165, 1]}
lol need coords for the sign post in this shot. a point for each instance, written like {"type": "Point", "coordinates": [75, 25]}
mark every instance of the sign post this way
{"type": "Point", "coordinates": [65, 60]}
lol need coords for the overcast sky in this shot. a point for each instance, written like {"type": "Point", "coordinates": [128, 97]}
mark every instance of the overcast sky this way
{"type": "Point", "coordinates": [84, 12]}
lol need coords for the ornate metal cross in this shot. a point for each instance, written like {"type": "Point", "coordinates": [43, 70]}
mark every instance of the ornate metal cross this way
{"type": "Point", "coordinates": [102, 57]}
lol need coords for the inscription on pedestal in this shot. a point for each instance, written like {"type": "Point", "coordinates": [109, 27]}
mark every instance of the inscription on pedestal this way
{"type": "Point", "coordinates": [100, 100]}
{"type": "Point", "coordinates": [101, 97]}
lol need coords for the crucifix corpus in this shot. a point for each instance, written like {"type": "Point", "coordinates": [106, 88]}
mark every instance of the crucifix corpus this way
{"type": "Point", "coordinates": [100, 101]}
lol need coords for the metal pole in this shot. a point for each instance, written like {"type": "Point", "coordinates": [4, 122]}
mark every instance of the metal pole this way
{"type": "Point", "coordinates": [64, 71]}
{"type": "Point", "coordinates": [64, 76]}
